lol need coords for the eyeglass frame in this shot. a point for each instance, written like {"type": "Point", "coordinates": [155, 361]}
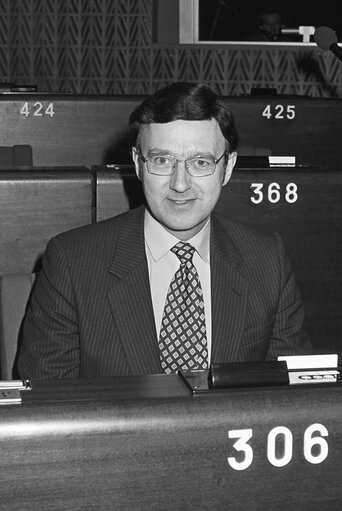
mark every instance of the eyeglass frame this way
{"type": "Point", "coordinates": [177, 160]}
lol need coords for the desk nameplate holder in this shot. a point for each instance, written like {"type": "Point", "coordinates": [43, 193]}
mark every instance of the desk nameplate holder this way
{"type": "Point", "coordinates": [10, 391]}
{"type": "Point", "coordinates": [286, 371]}
{"type": "Point", "coordinates": [313, 369]}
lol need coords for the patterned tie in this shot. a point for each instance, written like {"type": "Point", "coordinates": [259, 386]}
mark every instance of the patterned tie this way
{"type": "Point", "coordinates": [182, 340]}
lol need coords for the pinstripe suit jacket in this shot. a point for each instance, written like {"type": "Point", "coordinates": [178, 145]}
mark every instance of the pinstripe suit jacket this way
{"type": "Point", "coordinates": [91, 310]}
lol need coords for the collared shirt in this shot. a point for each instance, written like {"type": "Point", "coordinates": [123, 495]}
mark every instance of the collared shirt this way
{"type": "Point", "coordinates": [163, 264]}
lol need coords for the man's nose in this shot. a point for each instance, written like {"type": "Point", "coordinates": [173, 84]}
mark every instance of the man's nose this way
{"type": "Point", "coordinates": [180, 180]}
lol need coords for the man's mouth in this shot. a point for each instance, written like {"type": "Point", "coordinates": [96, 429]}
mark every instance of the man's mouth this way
{"type": "Point", "coordinates": [181, 201]}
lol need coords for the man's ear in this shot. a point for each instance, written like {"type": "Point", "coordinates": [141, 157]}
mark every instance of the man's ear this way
{"type": "Point", "coordinates": [229, 167]}
{"type": "Point", "coordinates": [135, 157]}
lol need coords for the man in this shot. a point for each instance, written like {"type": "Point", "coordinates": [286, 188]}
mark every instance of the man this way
{"type": "Point", "coordinates": [270, 24]}
{"type": "Point", "coordinates": [170, 286]}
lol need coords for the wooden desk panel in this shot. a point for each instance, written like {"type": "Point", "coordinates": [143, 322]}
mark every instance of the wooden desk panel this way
{"type": "Point", "coordinates": [171, 451]}
{"type": "Point", "coordinates": [66, 129]}
{"type": "Point", "coordinates": [307, 215]}
{"type": "Point", "coordinates": [291, 126]}
{"type": "Point", "coordinates": [306, 211]}
{"type": "Point", "coordinates": [36, 204]}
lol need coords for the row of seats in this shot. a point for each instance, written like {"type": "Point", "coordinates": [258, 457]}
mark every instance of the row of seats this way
{"type": "Point", "coordinates": [80, 130]}
{"type": "Point", "coordinates": [302, 204]}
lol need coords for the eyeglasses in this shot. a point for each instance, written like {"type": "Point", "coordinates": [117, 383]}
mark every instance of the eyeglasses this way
{"type": "Point", "coordinates": [165, 164]}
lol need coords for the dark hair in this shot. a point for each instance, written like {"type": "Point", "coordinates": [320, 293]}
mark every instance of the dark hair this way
{"type": "Point", "coordinates": [187, 101]}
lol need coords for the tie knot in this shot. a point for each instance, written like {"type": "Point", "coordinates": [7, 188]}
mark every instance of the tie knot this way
{"type": "Point", "coordinates": [184, 251]}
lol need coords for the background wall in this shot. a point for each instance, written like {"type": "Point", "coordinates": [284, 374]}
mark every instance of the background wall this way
{"type": "Point", "coordinates": [105, 47]}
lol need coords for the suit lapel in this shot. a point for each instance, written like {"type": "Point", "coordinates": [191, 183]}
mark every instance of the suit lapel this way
{"type": "Point", "coordinates": [131, 305]}
{"type": "Point", "coordinates": [130, 298]}
{"type": "Point", "coordinates": [228, 295]}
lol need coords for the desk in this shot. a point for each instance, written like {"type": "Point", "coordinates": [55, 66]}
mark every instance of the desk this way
{"type": "Point", "coordinates": [86, 130]}
{"type": "Point", "coordinates": [67, 129]}
{"type": "Point", "coordinates": [144, 443]}
{"type": "Point", "coordinates": [304, 206]}
{"type": "Point", "coordinates": [291, 125]}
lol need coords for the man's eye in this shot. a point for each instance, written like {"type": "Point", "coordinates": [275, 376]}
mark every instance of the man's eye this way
{"type": "Point", "coordinates": [201, 163]}
{"type": "Point", "coordinates": [161, 161]}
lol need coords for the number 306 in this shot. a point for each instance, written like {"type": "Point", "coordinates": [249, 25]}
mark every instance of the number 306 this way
{"type": "Point", "coordinates": [315, 446]}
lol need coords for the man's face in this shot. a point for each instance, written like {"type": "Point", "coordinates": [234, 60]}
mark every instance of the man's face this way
{"type": "Point", "coordinates": [181, 202]}
{"type": "Point", "coordinates": [272, 24]}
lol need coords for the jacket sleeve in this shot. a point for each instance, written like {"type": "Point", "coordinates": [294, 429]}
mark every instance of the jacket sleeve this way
{"type": "Point", "coordinates": [50, 337]}
{"type": "Point", "coordinates": [288, 336]}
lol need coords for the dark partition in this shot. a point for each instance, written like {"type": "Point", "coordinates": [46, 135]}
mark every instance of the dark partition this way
{"type": "Point", "coordinates": [36, 204]}
{"type": "Point", "coordinates": [302, 204]}
{"type": "Point", "coordinates": [144, 443]}
{"type": "Point", "coordinates": [89, 130]}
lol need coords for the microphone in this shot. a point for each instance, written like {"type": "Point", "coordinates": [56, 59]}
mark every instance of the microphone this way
{"type": "Point", "coordinates": [326, 39]}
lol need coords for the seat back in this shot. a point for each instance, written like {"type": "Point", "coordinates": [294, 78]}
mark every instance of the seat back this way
{"type": "Point", "coordinates": [35, 205]}
{"type": "Point", "coordinates": [15, 290]}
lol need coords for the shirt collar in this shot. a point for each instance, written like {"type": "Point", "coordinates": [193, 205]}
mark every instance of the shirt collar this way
{"type": "Point", "coordinates": [160, 241]}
